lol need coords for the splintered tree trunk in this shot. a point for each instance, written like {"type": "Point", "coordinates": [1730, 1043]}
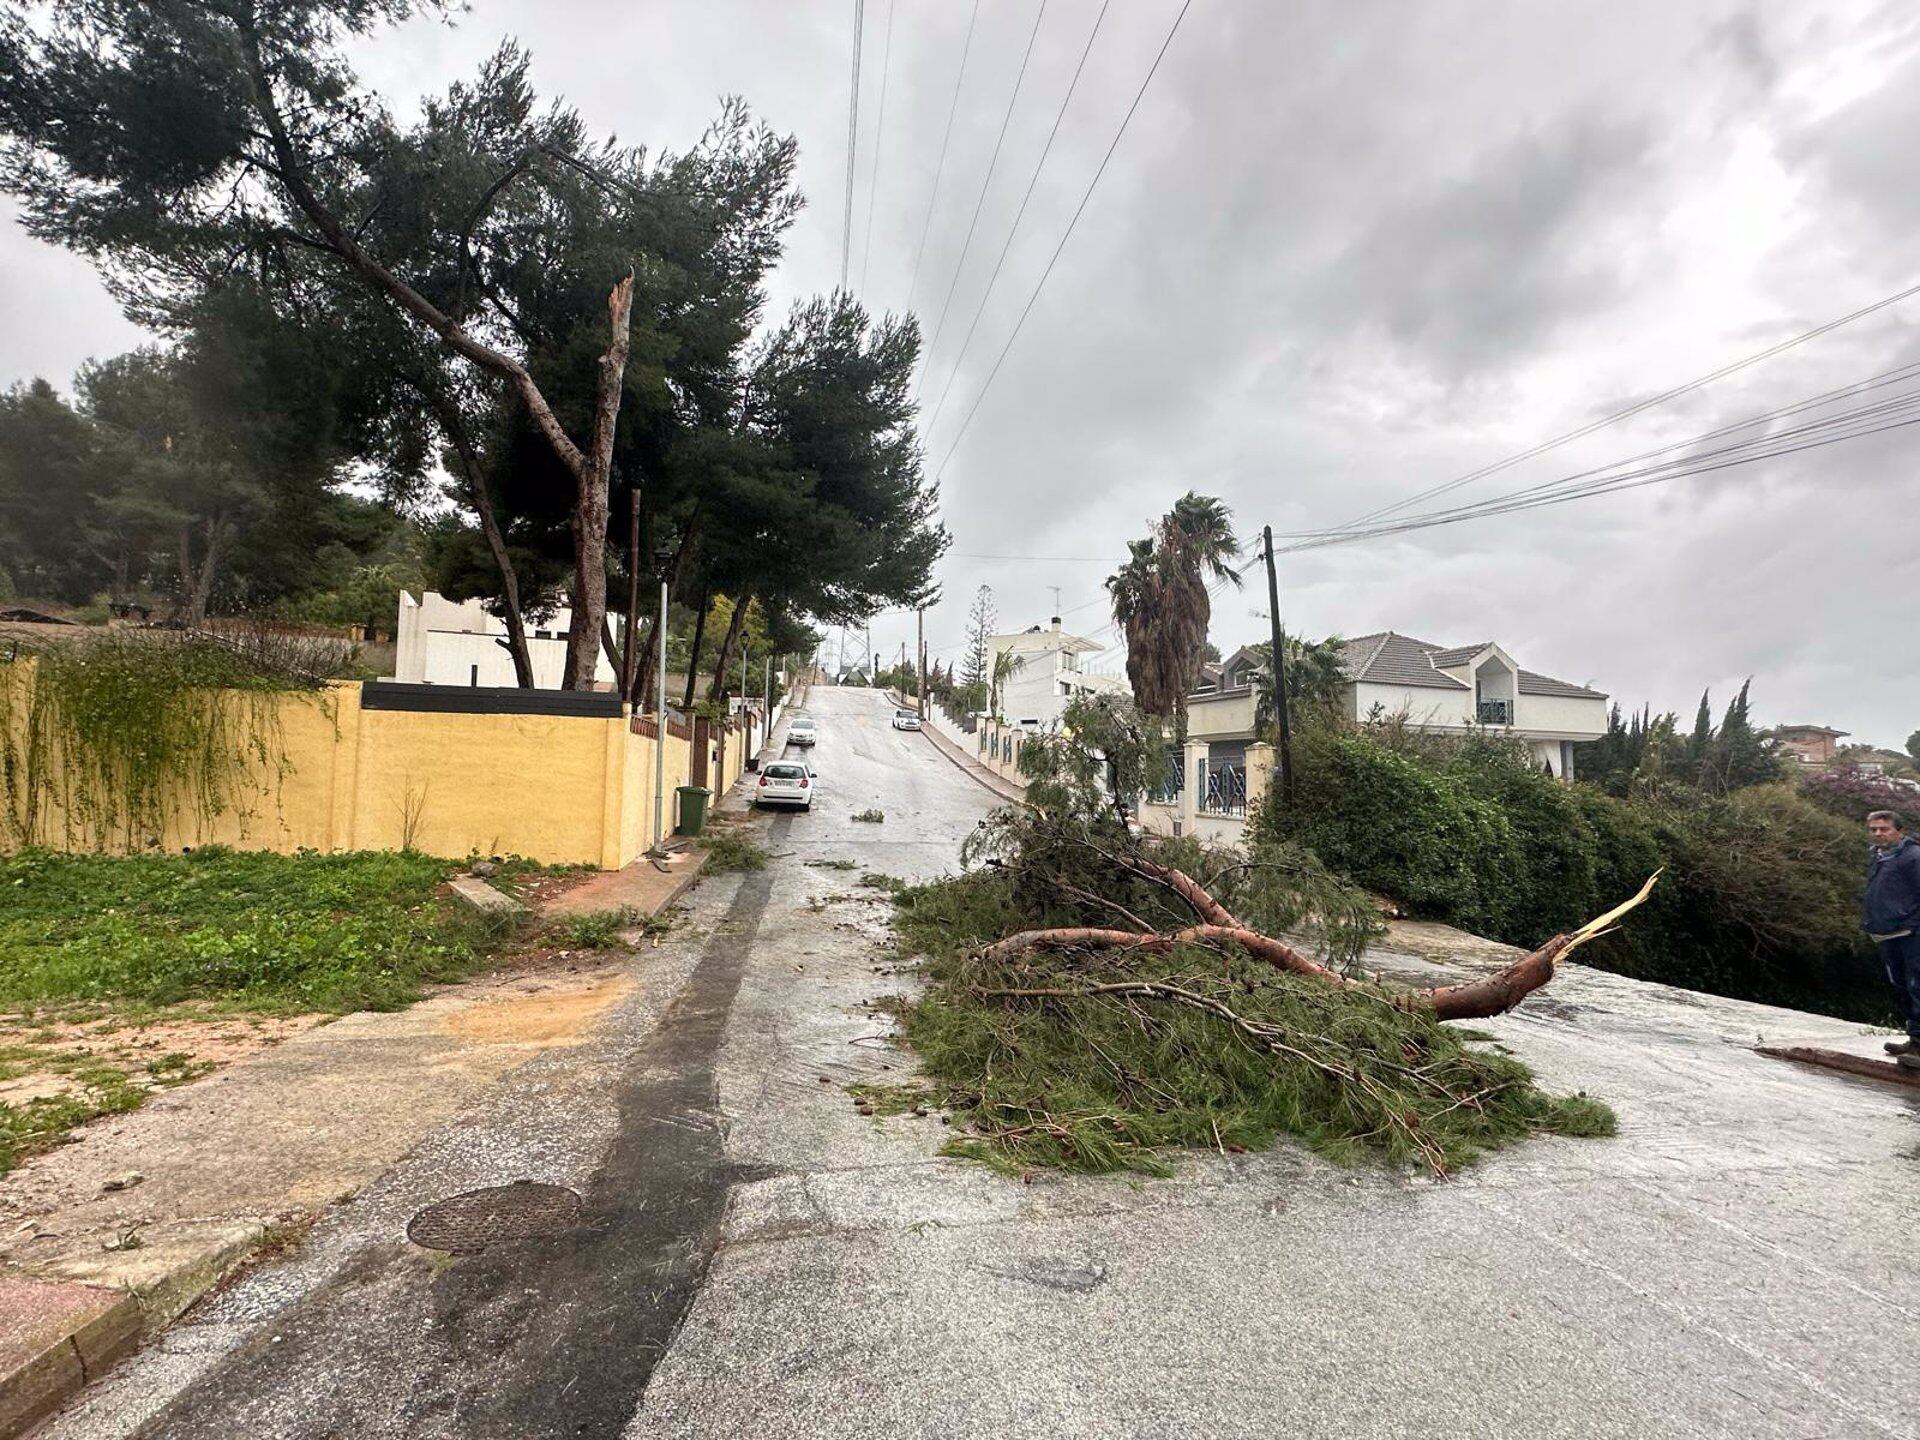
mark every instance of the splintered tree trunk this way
{"type": "Point", "coordinates": [590, 506]}
{"type": "Point", "coordinates": [1476, 1000]}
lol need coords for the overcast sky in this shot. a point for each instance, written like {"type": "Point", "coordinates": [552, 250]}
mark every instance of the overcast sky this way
{"type": "Point", "coordinates": [1343, 254]}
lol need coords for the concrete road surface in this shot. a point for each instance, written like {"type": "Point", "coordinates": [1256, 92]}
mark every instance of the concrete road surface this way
{"type": "Point", "coordinates": [755, 1259]}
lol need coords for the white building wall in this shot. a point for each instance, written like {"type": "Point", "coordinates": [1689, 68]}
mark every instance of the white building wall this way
{"type": "Point", "coordinates": [1423, 704]}
{"type": "Point", "coordinates": [1562, 715]}
{"type": "Point", "coordinates": [447, 642]}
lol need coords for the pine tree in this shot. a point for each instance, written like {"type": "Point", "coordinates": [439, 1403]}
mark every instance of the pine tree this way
{"type": "Point", "coordinates": [982, 619]}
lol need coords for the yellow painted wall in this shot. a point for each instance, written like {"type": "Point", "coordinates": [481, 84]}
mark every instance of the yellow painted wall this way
{"type": "Point", "coordinates": [558, 789]}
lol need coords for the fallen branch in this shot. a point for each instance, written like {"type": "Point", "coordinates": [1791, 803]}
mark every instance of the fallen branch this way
{"type": "Point", "coordinates": [1493, 994]}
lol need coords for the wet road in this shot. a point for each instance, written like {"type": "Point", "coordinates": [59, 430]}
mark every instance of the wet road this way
{"type": "Point", "coordinates": [756, 1259]}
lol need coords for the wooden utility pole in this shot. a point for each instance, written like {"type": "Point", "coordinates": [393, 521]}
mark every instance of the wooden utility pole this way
{"type": "Point", "coordinates": [920, 647]}
{"type": "Point", "coordinates": [1279, 675]}
{"type": "Point", "coordinates": [630, 660]}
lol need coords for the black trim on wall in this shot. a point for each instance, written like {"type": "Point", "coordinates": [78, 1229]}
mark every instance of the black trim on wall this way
{"type": "Point", "coordinates": [488, 700]}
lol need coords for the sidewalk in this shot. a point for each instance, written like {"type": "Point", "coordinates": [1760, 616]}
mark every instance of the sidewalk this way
{"type": "Point", "coordinates": [104, 1241]}
{"type": "Point", "coordinates": [998, 784]}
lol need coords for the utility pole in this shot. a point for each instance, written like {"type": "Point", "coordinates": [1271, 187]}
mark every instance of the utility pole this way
{"type": "Point", "coordinates": [920, 646]}
{"type": "Point", "coordinates": [1279, 675]}
{"type": "Point", "coordinates": [630, 661]}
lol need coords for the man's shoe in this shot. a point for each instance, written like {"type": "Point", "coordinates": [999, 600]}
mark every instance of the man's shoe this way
{"type": "Point", "coordinates": [1908, 1062]}
{"type": "Point", "coordinates": [1903, 1047]}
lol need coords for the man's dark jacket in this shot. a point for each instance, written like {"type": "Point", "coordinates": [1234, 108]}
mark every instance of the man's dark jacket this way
{"type": "Point", "coordinates": [1893, 889]}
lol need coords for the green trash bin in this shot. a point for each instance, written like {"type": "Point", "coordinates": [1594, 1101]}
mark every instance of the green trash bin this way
{"type": "Point", "coordinates": [691, 808]}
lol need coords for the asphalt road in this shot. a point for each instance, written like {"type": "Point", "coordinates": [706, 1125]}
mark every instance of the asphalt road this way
{"type": "Point", "coordinates": [756, 1259]}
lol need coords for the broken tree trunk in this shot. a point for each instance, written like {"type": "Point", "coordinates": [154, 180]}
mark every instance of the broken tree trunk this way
{"type": "Point", "coordinates": [1475, 1000]}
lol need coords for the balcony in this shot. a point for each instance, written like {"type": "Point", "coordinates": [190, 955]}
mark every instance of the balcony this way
{"type": "Point", "coordinates": [1494, 712]}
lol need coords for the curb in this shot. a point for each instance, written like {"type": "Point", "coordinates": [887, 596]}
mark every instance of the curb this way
{"type": "Point", "coordinates": [985, 779]}
{"type": "Point", "coordinates": [103, 1324]}
{"type": "Point", "coordinates": [96, 1336]}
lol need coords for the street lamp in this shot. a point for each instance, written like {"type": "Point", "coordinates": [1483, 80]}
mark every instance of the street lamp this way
{"type": "Point", "coordinates": [664, 555]}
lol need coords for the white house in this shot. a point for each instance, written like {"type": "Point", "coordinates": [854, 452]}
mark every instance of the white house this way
{"type": "Point", "coordinates": [458, 642]}
{"type": "Point", "coordinates": [1047, 674]}
{"type": "Point", "coordinates": [1449, 689]}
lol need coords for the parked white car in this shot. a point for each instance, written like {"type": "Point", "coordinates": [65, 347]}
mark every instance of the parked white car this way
{"type": "Point", "coordinates": [802, 731]}
{"type": "Point", "coordinates": [786, 782]}
{"type": "Point", "coordinates": [905, 720]}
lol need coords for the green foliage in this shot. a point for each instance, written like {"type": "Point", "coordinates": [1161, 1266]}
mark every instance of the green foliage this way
{"type": "Point", "coordinates": [1104, 1082]}
{"type": "Point", "coordinates": [1758, 899]}
{"type": "Point", "coordinates": [591, 929]}
{"type": "Point", "coordinates": [127, 731]}
{"type": "Point", "coordinates": [734, 848]}
{"type": "Point", "coordinates": [1913, 746]}
{"type": "Point", "coordinates": [32, 1126]}
{"type": "Point", "coordinates": [257, 931]}
{"type": "Point", "coordinates": [871, 817]}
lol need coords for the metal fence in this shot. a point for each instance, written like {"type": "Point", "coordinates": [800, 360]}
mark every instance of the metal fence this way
{"type": "Point", "coordinates": [1226, 792]}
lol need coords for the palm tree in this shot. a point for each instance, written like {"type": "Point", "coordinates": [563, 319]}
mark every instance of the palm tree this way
{"type": "Point", "coordinates": [1161, 604]}
{"type": "Point", "coordinates": [1006, 665]}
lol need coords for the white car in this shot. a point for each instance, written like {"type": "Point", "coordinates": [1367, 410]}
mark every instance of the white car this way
{"type": "Point", "coordinates": [905, 720]}
{"type": "Point", "coordinates": [785, 782]}
{"type": "Point", "coordinates": [802, 731]}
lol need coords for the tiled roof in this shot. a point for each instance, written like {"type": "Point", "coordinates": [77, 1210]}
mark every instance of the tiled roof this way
{"type": "Point", "coordinates": [1392, 659]}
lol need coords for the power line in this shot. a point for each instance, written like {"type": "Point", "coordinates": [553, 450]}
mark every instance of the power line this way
{"type": "Point", "coordinates": [1662, 398]}
{"type": "Point", "coordinates": [926, 359]}
{"type": "Point", "coordinates": [940, 168]}
{"type": "Point", "coordinates": [1080, 210]}
{"type": "Point", "coordinates": [853, 137]}
{"type": "Point", "coordinates": [879, 131]}
{"type": "Point", "coordinates": [1893, 414]}
{"type": "Point", "coordinates": [1020, 214]}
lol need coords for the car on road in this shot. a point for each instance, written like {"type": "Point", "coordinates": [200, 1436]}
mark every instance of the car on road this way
{"type": "Point", "coordinates": [905, 720]}
{"type": "Point", "coordinates": [786, 782]}
{"type": "Point", "coordinates": [802, 731]}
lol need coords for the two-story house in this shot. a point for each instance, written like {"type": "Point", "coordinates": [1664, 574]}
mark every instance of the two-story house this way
{"type": "Point", "coordinates": [1451, 689]}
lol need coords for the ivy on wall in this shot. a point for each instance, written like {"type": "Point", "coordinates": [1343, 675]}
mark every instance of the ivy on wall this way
{"type": "Point", "coordinates": [107, 740]}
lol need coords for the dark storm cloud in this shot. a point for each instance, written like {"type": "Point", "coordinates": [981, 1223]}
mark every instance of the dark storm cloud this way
{"type": "Point", "coordinates": [1492, 261]}
{"type": "Point", "coordinates": [1343, 254]}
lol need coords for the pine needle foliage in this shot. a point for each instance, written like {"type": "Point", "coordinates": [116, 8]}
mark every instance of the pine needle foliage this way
{"type": "Point", "coordinates": [1211, 1051]}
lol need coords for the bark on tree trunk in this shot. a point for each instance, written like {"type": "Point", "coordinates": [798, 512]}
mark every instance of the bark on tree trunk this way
{"type": "Point", "coordinates": [693, 655]}
{"type": "Point", "coordinates": [590, 506]}
{"type": "Point", "coordinates": [515, 641]}
{"type": "Point", "coordinates": [196, 582]}
{"type": "Point", "coordinates": [1477, 999]}
{"type": "Point", "coordinates": [725, 661]}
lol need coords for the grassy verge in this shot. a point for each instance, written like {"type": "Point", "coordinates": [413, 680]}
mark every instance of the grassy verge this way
{"type": "Point", "coordinates": [263, 932]}
{"type": "Point", "coordinates": [1200, 1049]}
{"type": "Point", "coordinates": [102, 958]}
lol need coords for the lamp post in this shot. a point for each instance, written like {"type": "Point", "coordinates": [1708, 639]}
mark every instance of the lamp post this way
{"type": "Point", "coordinates": [660, 716]}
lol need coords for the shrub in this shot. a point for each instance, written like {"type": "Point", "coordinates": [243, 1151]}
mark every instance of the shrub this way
{"type": "Point", "coordinates": [1758, 900]}
{"type": "Point", "coordinates": [1855, 794]}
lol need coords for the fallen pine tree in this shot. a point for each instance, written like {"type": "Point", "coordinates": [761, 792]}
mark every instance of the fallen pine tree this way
{"type": "Point", "coordinates": [1091, 1004]}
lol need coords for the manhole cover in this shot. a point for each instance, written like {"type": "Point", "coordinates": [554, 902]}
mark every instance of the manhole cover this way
{"type": "Point", "coordinates": [468, 1223]}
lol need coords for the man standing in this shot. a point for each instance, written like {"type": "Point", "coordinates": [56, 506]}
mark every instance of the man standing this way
{"type": "Point", "coordinates": [1890, 913]}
